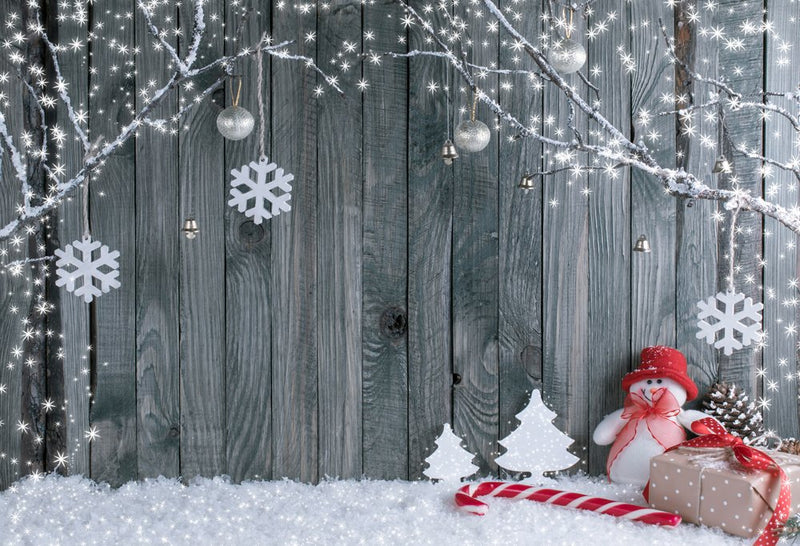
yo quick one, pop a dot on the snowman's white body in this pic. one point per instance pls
(632, 463)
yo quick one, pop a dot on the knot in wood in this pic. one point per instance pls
(394, 323)
(250, 234)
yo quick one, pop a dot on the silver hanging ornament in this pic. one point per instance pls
(567, 56)
(449, 152)
(642, 244)
(527, 182)
(234, 122)
(472, 135)
(190, 228)
(721, 165)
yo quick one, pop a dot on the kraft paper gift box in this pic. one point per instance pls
(708, 486)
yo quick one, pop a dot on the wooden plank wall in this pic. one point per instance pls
(399, 293)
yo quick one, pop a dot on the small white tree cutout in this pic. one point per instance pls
(537, 445)
(450, 461)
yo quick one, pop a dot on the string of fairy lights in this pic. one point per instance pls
(453, 35)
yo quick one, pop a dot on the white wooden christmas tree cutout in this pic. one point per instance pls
(450, 461)
(78, 271)
(537, 445)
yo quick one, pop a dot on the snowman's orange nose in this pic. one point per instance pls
(653, 391)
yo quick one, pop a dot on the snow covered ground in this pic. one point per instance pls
(74, 510)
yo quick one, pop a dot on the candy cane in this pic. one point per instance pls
(467, 501)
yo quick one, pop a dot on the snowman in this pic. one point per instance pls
(651, 420)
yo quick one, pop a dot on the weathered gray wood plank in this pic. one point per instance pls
(696, 236)
(339, 253)
(113, 454)
(202, 347)
(742, 128)
(430, 222)
(248, 320)
(475, 268)
(609, 240)
(565, 240)
(780, 251)
(653, 213)
(157, 278)
(294, 262)
(385, 253)
(520, 249)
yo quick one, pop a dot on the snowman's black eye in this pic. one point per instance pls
(658, 381)
(649, 381)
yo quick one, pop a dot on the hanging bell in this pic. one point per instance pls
(449, 152)
(642, 244)
(190, 229)
(526, 182)
(721, 165)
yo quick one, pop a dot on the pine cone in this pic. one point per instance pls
(790, 445)
(729, 405)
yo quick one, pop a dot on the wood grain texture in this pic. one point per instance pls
(653, 213)
(780, 251)
(157, 279)
(696, 236)
(203, 195)
(11, 289)
(248, 300)
(565, 288)
(609, 243)
(113, 221)
(339, 254)
(430, 222)
(744, 128)
(520, 249)
(385, 253)
(72, 420)
(294, 262)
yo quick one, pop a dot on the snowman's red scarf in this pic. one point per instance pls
(664, 430)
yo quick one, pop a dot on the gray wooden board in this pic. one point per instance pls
(520, 249)
(294, 261)
(385, 252)
(202, 286)
(609, 239)
(565, 268)
(112, 221)
(475, 266)
(74, 313)
(339, 224)
(11, 288)
(247, 277)
(696, 236)
(744, 128)
(158, 239)
(430, 222)
(653, 212)
(780, 252)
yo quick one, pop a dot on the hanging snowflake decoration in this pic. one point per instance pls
(276, 192)
(729, 321)
(83, 269)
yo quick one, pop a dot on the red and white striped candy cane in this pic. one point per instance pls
(467, 501)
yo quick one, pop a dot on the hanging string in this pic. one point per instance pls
(474, 104)
(568, 27)
(732, 243)
(238, 94)
(262, 124)
(447, 97)
(86, 232)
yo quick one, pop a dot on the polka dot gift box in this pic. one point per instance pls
(710, 486)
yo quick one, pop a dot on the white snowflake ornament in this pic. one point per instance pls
(746, 321)
(275, 192)
(82, 268)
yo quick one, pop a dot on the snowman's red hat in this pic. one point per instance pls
(661, 361)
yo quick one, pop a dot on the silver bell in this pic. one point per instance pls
(642, 244)
(721, 165)
(526, 182)
(190, 229)
(449, 152)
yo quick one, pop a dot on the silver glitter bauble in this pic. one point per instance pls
(472, 136)
(567, 56)
(235, 123)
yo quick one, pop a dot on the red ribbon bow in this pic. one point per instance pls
(713, 434)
